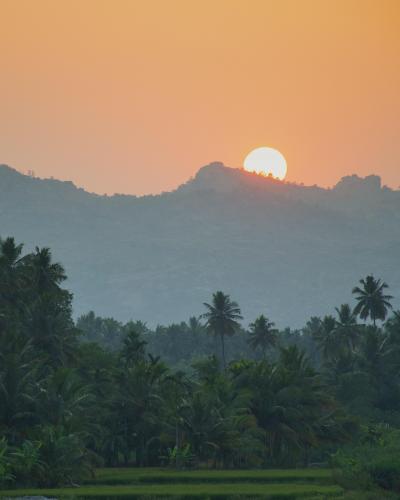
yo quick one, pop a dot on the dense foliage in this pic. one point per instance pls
(207, 392)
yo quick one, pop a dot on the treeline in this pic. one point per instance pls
(73, 397)
(181, 344)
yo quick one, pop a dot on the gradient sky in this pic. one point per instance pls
(134, 96)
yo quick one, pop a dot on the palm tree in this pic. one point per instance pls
(262, 334)
(12, 279)
(63, 400)
(222, 318)
(347, 327)
(10, 253)
(47, 274)
(133, 347)
(195, 326)
(375, 358)
(372, 302)
(290, 404)
(326, 338)
(18, 370)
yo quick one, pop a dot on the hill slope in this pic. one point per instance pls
(286, 250)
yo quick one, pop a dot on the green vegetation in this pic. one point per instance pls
(371, 462)
(152, 482)
(275, 491)
(78, 396)
(152, 475)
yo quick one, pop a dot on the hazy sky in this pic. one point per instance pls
(134, 96)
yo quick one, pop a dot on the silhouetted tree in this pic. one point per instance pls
(372, 302)
(222, 318)
(262, 334)
(347, 328)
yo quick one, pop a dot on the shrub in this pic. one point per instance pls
(373, 462)
(65, 459)
(181, 458)
(26, 463)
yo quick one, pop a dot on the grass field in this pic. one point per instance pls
(202, 484)
(152, 475)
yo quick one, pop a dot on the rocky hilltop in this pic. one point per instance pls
(287, 250)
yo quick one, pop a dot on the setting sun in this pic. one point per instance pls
(266, 161)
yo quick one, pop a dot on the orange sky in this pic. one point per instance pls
(134, 96)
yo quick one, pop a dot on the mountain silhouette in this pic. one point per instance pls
(282, 249)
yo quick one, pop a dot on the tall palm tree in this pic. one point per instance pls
(262, 334)
(222, 318)
(372, 301)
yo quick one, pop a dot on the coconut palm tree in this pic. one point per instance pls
(10, 253)
(326, 338)
(222, 318)
(133, 347)
(372, 301)
(262, 334)
(47, 275)
(347, 327)
(18, 372)
(195, 327)
(375, 357)
(12, 278)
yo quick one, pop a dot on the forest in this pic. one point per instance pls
(208, 393)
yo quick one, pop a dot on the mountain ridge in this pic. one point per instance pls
(214, 171)
(159, 257)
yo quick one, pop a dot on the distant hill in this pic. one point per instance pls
(285, 250)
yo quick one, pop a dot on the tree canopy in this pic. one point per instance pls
(78, 394)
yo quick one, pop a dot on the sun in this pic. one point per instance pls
(266, 161)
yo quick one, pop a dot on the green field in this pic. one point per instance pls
(159, 483)
(156, 476)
